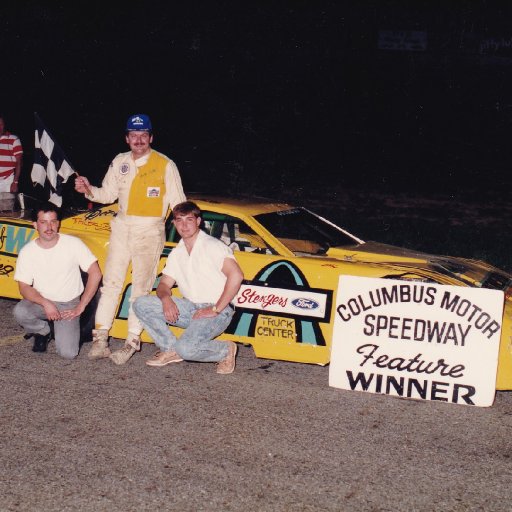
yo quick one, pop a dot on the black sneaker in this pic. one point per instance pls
(41, 342)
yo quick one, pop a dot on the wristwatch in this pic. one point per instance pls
(214, 309)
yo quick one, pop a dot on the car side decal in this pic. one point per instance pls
(13, 237)
(289, 308)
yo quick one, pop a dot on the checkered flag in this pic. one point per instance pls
(51, 168)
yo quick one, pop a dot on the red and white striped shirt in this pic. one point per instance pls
(10, 148)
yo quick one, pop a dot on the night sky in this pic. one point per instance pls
(270, 95)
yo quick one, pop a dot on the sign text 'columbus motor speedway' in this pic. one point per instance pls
(416, 340)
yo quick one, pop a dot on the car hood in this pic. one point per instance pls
(470, 272)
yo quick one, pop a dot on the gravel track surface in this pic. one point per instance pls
(273, 436)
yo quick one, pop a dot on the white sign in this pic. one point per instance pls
(416, 340)
(282, 300)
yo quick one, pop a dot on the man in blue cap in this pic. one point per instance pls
(146, 184)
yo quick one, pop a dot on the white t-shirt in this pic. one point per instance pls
(199, 275)
(55, 272)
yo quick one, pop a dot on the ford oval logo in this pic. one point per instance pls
(305, 303)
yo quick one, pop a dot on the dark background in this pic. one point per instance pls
(270, 96)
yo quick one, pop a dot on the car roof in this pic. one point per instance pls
(249, 206)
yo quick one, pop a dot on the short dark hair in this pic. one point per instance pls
(45, 208)
(186, 208)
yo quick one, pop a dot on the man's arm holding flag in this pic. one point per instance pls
(83, 186)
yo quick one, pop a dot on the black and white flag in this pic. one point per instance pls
(51, 168)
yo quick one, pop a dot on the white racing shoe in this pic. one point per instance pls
(99, 348)
(131, 345)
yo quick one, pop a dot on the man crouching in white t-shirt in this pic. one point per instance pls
(50, 282)
(209, 278)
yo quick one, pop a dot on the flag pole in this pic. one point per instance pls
(87, 189)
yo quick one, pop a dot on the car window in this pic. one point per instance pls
(303, 232)
(234, 232)
(171, 235)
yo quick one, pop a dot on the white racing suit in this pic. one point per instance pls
(145, 189)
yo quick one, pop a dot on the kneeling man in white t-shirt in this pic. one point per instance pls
(50, 282)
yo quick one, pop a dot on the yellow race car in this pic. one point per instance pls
(292, 259)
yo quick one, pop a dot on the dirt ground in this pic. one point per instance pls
(273, 436)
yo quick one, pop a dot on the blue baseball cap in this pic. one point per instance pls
(138, 123)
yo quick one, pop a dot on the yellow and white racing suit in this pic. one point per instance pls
(145, 188)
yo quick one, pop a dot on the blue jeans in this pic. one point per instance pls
(196, 343)
(32, 318)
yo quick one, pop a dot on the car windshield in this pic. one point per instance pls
(304, 232)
